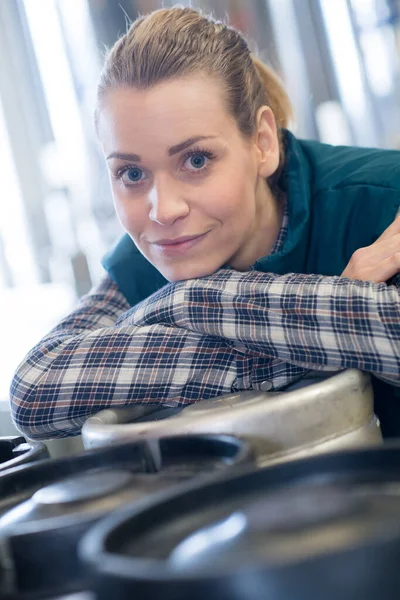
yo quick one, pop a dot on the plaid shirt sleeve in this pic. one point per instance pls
(90, 361)
(312, 321)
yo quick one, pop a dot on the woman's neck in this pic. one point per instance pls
(268, 222)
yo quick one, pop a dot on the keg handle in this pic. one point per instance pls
(151, 455)
(118, 416)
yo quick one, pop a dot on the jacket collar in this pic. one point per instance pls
(295, 180)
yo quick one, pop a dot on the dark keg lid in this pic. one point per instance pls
(16, 451)
(52, 503)
(75, 596)
(325, 527)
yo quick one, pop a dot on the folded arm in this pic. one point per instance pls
(308, 320)
(90, 362)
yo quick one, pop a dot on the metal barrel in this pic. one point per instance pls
(334, 413)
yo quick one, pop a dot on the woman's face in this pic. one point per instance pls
(188, 187)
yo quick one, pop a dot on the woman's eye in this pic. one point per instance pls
(132, 175)
(196, 162)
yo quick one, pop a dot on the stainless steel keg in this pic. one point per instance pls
(334, 413)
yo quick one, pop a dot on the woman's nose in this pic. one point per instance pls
(167, 203)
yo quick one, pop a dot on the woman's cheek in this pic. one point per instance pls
(126, 211)
(120, 209)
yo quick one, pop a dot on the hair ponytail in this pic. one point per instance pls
(278, 100)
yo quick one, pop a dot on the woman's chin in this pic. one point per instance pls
(181, 273)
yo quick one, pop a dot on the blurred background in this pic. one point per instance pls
(340, 61)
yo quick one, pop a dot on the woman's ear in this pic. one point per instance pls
(267, 142)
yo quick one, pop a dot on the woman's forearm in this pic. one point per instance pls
(87, 363)
(309, 320)
(65, 381)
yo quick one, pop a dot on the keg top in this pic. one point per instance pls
(51, 504)
(285, 524)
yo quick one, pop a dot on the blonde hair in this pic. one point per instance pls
(177, 41)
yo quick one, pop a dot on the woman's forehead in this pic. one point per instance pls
(166, 113)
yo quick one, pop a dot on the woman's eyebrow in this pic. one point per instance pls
(124, 156)
(171, 151)
(183, 145)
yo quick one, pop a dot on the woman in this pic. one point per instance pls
(278, 250)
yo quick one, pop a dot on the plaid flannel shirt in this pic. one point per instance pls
(201, 338)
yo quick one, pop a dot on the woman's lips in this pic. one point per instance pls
(171, 248)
